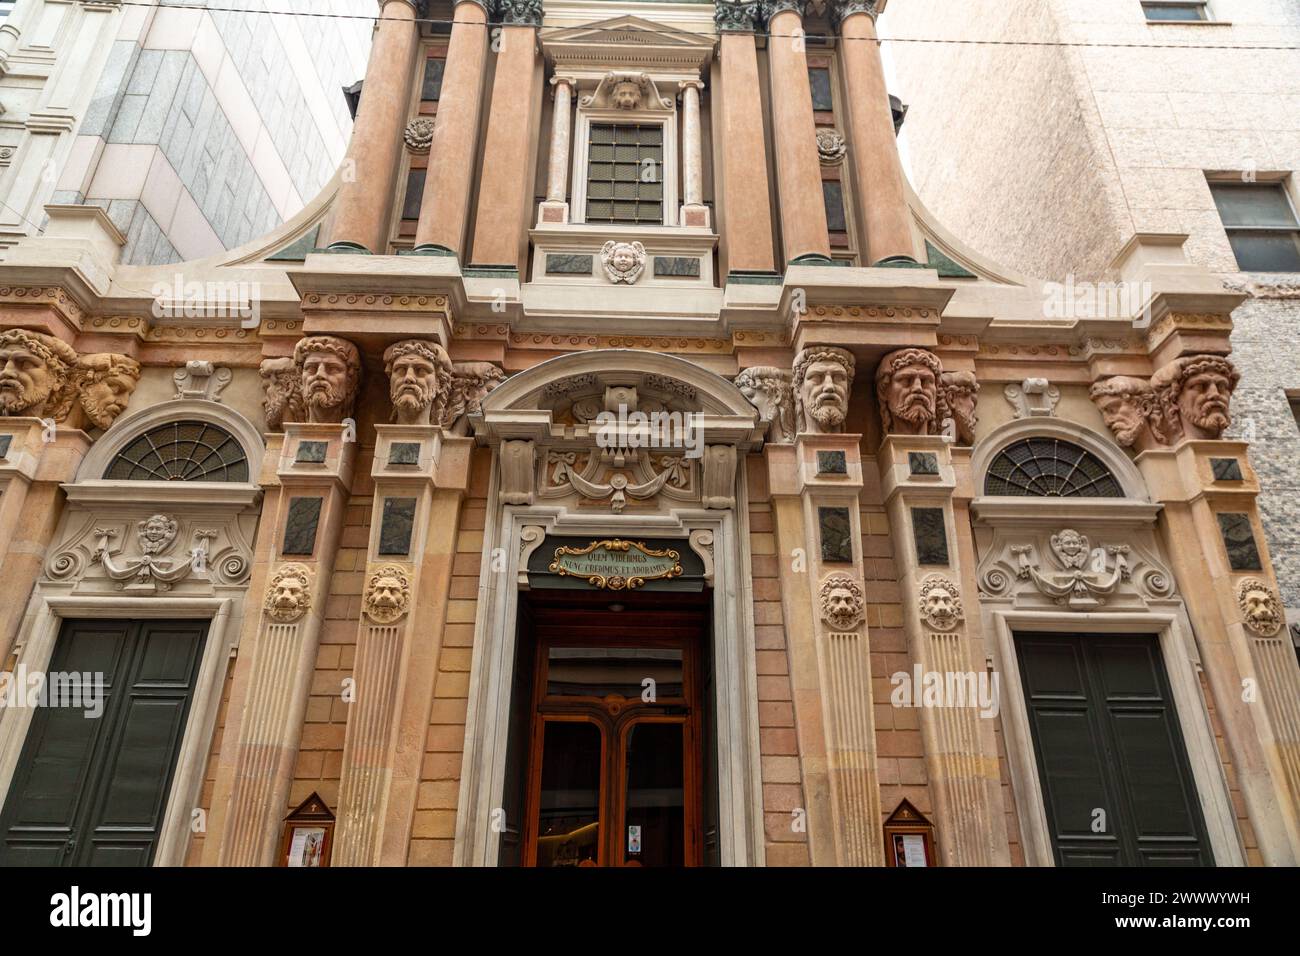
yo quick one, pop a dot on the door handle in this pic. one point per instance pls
(69, 846)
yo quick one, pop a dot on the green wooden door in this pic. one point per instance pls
(1116, 782)
(91, 791)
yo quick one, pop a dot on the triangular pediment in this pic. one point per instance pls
(628, 42)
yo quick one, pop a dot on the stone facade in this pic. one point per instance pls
(418, 467)
(1112, 142)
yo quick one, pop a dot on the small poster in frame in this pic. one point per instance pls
(909, 838)
(308, 835)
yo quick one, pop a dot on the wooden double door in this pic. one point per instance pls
(92, 783)
(615, 761)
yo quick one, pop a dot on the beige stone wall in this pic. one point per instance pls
(194, 853)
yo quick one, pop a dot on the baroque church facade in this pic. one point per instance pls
(617, 465)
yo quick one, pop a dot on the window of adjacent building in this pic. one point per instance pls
(1261, 225)
(625, 172)
(1295, 408)
(1166, 12)
(819, 78)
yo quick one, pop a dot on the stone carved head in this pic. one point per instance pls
(106, 382)
(288, 595)
(156, 533)
(842, 602)
(34, 368)
(330, 369)
(388, 593)
(907, 386)
(768, 389)
(958, 393)
(471, 382)
(940, 603)
(1130, 409)
(281, 392)
(822, 379)
(1195, 392)
(1260, 607)
(623, 261)
(419, 380)
(1071, 549)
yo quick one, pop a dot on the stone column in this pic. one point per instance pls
(364, 202)
(444, 206)
(34, 462)
(1241, 635)
(694, 212)
(421, 475)
(815, 485)
(555, 208)
(506, 184)
(880, 197)
(309, 472)
(804, 237)
(744, 209)
(961, 757)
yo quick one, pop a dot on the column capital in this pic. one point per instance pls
(841, 10)
(522, 13)
(733, 17)
(685, 85)
(768, 9)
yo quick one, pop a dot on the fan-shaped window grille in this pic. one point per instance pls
(181, 451)
(1050, 468)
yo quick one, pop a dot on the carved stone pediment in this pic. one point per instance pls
(627, 43)
(1100, 569)
(146, 548)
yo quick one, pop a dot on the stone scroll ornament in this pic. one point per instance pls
(1260, 608)
(388, 593)
(44, 377)
(419, 381)
(1079, 585)
(940, 603)
(822, 380)
(1188, 398)
(330, 372)
(288, 594)
(768, 389)
(842, 602)
(155, 536)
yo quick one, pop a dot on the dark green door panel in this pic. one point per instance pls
(1107, 738)
(92, 791)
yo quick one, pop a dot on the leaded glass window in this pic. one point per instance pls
(181, 451)
(625, 173)
(1050, 468)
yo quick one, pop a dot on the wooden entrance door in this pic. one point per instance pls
(1116, 782)
(614, 765)
(91, 790)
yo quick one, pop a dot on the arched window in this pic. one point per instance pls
(1049, 468)
(181, 451)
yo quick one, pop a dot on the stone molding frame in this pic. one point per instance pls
(1144, 599)
(73, 585)
(519, 416)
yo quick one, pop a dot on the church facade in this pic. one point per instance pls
(617, 465)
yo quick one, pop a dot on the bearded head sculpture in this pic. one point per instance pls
(842, 602)
(1130, 410)
(471, 382)
(907, 386)
(1195, 392)
(958, 393)
(1260, 608)
(34, 368)
(106, 381)
(281, 392)
(822, 380)
(330, 371)
(940, 603)
(419, 379)
(388, 593)
(288, 595)
(768, 389)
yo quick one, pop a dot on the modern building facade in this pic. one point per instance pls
(195, 130)
(623, 467)
(1131, 118)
